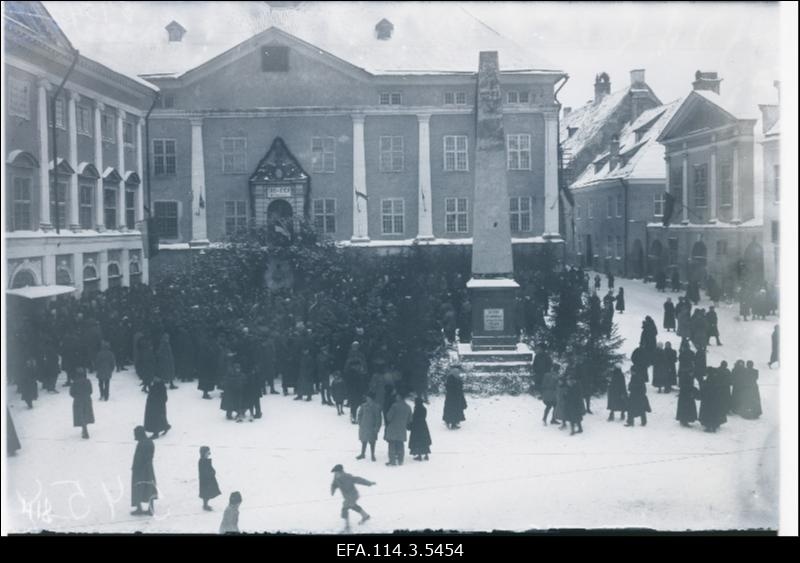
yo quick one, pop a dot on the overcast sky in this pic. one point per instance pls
(669, 40)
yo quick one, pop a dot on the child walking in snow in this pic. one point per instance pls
(208, 481)
(347, 484)
(230, 519)
(338, 392)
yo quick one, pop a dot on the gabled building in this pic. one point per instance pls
(74, 183)
(771, 150)
(359, 117)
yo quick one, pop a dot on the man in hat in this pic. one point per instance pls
(347, 484)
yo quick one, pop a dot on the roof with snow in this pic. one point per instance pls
(641, 156)
(427, 37)
(774, 130)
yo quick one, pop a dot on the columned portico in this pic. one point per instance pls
(199, 221)
(121, 223)
(99, 218)
(74, 220)
(551, 176)
(424, 203)
(44, 157)
(360, 225)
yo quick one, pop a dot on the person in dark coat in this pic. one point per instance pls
(737, 378)
(687, 393)
(560, 410)
(266, 362)
(620, 306)
(699, 329)
(713, 410)
(397, 422)
(684, 318)
(610, 278)
(774, 356)
(346, 483)
(29, 387)
(597, 282)
(585, 384)
(338, 391)
(50, 367)
(211, 362)
(207, 477)
(12, 440)
(660, 375)
(647, 340)
(389, 395)
(670, 358)
(725, 379)
(574, 406)
(420, 364)
(419, 440)
(675, 282)
(166, 362)
(700, 370)
(542, 363)
(155, 409)
(745, 302)
(81, 393)
(143, 477)
(305, 376)
(749, 405)
(454, 401)
(713, 290)
(549, 388)
(355, 377)
(147, 363)
(232, 391)
(669, 315)
(693, 292)
(638, 405)
(712, 324)
(104, 363)
(661, 281)
(617, 394)
(369, 423)
(323, 371)
(251, 395)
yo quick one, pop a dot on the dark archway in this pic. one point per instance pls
(637, 259)
(698, 262)
(23, 278)
(280, 219)
(754, 264)
(655, 258)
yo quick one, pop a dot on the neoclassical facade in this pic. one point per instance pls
(74, 208)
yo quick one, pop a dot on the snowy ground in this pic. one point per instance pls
(502, 470)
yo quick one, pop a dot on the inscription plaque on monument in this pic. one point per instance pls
(493, 319)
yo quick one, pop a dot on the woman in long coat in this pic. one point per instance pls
(147, 363)
(620, 306)
(210, 363)
(232, 393)
(660, 375)
(155, 409)
(50, 367)
(638, 405)
(81, 393)
(749, 398)
(369, 423)
(670, 357)
(419, 441)
(355, 374)
(684, 318)
(454, 400)
(737, 385)
(726, 386)
(713, 413)
(774, 356)
(688, 393)
(617, 395)
(143, 477)
(560, 410)
(207, 476)
(647, 340)
(669, 315)
(575, 407)
(305, 376)
(29, 387)
(549, 391)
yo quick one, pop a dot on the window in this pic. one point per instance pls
(455, 214)
(235, 216)
(323, 154)
(578, 211)
(114, 275)
(609, 246)
(455, 153)
(60, 123)
(620, 249)
(63, 276)
(392, 216)
(609, 207)
(391, 158)
(61, 207)
(520, 208)
(107, 127)
(86, 204)
(166, 215)
(324, 211)
(234, 155)
(390, 99)
(518, 148)
(84, 120)
(726, 184)
(700, 185)
(722, 247)
(275, 58)
(518, 97)
(110, 208)
(658, 204)
(455, 98)
(676, 183)
(130, 208)
(590, 210)
(672, 245)
(579, 245)
(167, 101)
(164, 157)
(620, 206)
(127, 133)
(19, 97)
(22, 204)
(775, 229)
(776, 187)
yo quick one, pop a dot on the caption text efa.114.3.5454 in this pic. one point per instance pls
(399, 550)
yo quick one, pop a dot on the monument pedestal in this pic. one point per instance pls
(494, 303)
(496, 372)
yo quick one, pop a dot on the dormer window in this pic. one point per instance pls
(384, 29)
(176, 31)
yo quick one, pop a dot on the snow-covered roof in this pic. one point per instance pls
(774, 130)
(427, 37)
(728, 103)
(639, 159)
(39, 291)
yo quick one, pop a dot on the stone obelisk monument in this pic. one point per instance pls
(492, 287)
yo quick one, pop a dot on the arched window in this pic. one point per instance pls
(23, 278)
(63, 276)
(91, 279)
(114, 275)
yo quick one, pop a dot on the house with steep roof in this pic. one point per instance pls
(373, 103)
(75, 177)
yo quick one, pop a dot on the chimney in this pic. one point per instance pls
(602, 87)
(384, 29)
(637, 77)
(175, 31)
(708, 81)
(613, 152)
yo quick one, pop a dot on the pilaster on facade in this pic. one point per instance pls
(685, 188)
(99, 217)
(425, 198)
(199, 220)
(74, 219)
(125, 266)
(49, 269)
(140, 170)
(77, 271)
(551, 200)
(360, 225)
(737, 217)
(102, 267)
(44, 156)
(712, 183)
(121, 223)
